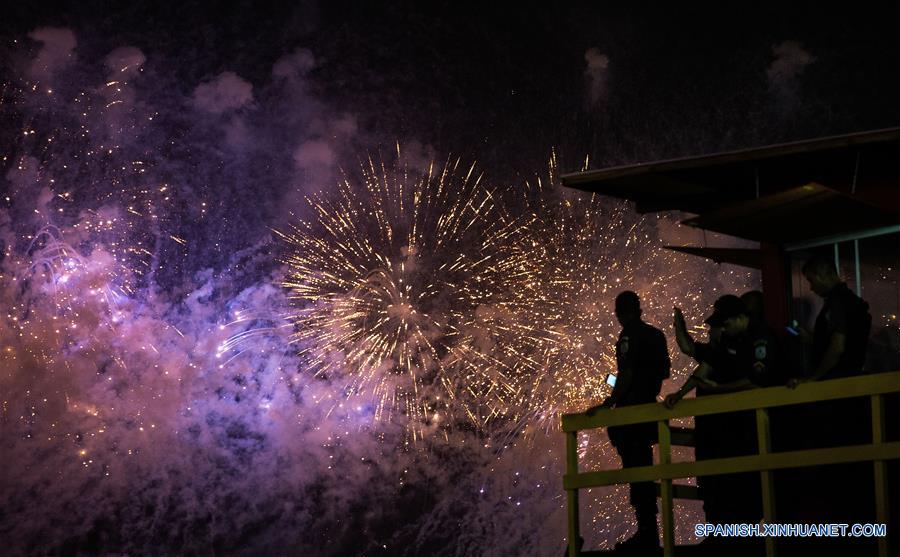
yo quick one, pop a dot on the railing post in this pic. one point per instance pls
(881, 478)
(665, 490)
(766, 476)
(572, 494)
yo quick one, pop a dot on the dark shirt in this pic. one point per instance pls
(846, 313)
(758, 357)
(754, 355)
(642, 349)
(720, 356)
(716, 355)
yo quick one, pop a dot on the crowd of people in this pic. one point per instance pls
(742, 352)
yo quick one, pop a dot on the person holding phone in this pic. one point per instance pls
(841, 334)
(839, 342)
(642, 361)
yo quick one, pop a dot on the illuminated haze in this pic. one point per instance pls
(153, 397)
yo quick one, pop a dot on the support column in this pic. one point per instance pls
(768, 485)
(882, 505)
(665, 490)
(572, 494)
(776, 276)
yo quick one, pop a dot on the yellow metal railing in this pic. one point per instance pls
(760, 400)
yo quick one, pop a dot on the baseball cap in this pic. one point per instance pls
(726, 307)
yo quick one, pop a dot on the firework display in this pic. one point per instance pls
(390, 280)
(540, 326)
(407, 342)
(396, 277)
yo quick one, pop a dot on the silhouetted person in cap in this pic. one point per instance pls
(746, 357)
(642, 359)
(706, 430)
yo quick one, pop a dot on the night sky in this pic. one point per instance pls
(299, 278)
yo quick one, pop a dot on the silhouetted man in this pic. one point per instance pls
(839, 343)
(841, 335)
(706, 428)
(747, 356)
(642, 358)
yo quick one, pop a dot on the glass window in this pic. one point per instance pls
(879, 265)
(874, 274)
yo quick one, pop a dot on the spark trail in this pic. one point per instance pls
(391, 278)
